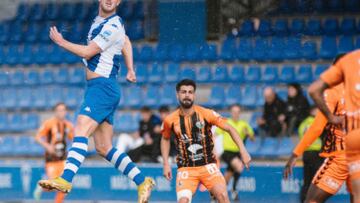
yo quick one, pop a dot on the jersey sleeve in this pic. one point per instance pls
(215, 118)
(108, 35)
(334, 75)
(249, 129)
(166, 128)
(43, 130)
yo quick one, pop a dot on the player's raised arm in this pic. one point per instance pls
(83, 51)
(129, 62)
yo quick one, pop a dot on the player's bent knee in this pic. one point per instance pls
(102, 150)
(184, 196)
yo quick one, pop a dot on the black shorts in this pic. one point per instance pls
(228, 157)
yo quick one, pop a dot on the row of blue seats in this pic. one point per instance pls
(35, 32)
(18, 122)
(282, 27)
(24, 145)
(172, 73)
(270, 147)
(317, 6)
(74, 11)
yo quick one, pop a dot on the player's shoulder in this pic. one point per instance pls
(49, 122)
(172, 116)
(115, 23)
(205, 111)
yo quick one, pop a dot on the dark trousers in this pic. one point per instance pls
(149, 151)
(312, 162)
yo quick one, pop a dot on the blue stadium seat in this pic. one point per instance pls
(293, 48)
(46, 77)
(126, 9)
(280, 28)
(32, 77)
(156, 73)
(250, 96)
(304, 74)
(352, 5)
(32, 32)
(31, 121)
(172, 72)
(133, 97)
(138, 10)
(217, 97)
(41, 53)
(177, 52)
(303, 6)
(57, 55)
(228, 49)
(244, 51)
(23, 12)
(3, 122)
(346, 44)
(122, 74)
(152, 96)
(26, 54)
(269, 147)
(277, 47)
(37, 12)
(313, 27)
(40, 98)
(233, 95)
(17, 31)
(73, 96)
(141, 73)
(209, 52)
(54, 95)
(284, 6)
(68, 11)
(35, 148)
(44, 32)
(187, 73)
(260, 98)
(12, 56)
(287, 74)
(24, 142)
(10, 100)
(270, 74)
(16, 122)
(146, 53)
(330, 27)
(309, 50)
(220, 74)
(168, 96)
(264, 28)
(297, 26)
(253, 74)
(253, 147)
(253, 120)
(282, 93)
(17, 78)
(192, 52)
(76, 76)
(334, 5)
(124, 122)
(348, 26)
(247, 28)
(328, 49)
(136, 52)
(162, 54)
(204, 74)
(4, 79)
(260, 51)
(52, 11)
(357, 42)
(61, 75)
(237, 74)
(4, 32)
(285, 147)
(318, 70)
(318, 5)
(7, 145)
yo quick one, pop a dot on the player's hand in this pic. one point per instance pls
(56, 36)
(50, 149)
(246, 158)
(131, 77)
(288, 170)
(167, 172)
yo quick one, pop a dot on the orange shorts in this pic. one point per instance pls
(332, 174)
(188, 178)
(54, 169)
(353, 153)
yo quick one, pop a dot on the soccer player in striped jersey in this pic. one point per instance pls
(191, 124)
(107, 41)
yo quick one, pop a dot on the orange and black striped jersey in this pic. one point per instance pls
(193, 136)
(55, 132)
(332, 136)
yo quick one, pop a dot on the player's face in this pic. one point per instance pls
(235, 112)
(60, 112)
(163, 115)
(108, 6)
(186, 96)
(292, 91)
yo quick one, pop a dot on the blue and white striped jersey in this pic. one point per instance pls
(109, 34)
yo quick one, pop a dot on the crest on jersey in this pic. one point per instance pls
(200, 124)
(107, 33)
(194, 148)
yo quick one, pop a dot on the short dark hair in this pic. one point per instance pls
(164, 108)
(145, 109)
(185, 82)
(59, 104)
(234, 105)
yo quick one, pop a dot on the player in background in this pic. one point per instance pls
(107, 41)
(191, 124)
(53, 135)
(231, 154)
(346, 70)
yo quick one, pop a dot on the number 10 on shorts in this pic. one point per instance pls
(183, 175)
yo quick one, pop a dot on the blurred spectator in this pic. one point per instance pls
(272, 123)
(150, 131)
(297, 107)
(128, 142)
(312, 160)
(231, 154)
(165, 111)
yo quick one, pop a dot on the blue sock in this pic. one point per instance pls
(123, 163)
(75, 157)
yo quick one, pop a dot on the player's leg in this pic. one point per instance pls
(214, 181)
(316, 195)
(353, 161)
(187, 180)
(238, 167)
